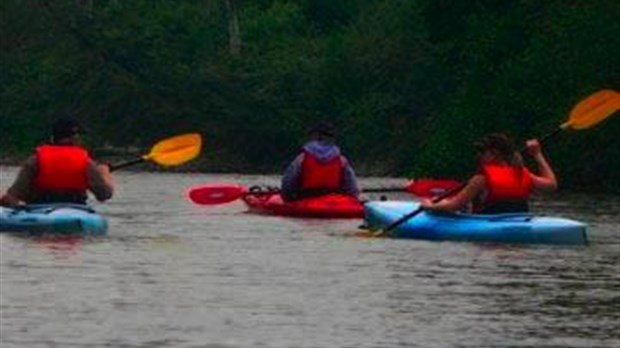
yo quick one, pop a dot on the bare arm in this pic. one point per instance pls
(290, 179)
(100, 181)
(20, 190)
(475, 185)
(8, 200)
(545, 180)
(350, 185)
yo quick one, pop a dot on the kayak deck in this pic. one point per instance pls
(52, 219)
(498, 228)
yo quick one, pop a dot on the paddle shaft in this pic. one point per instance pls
(393, 225)
(384, 189)
(546, 137)
(114, 167)
(368, 190)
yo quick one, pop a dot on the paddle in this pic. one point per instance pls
(587, 113)
(221, 193)
(169, 152)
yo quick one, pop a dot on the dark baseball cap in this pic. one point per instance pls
(324, 128)
(66, 128)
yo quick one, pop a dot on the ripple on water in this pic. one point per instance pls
(172, 274)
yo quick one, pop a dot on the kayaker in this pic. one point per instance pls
(503, 184)
(319, 169)
(60, 172)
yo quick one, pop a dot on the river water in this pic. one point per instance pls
(173, 274)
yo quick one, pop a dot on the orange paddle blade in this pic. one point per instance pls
(176, 150)
(594, 109)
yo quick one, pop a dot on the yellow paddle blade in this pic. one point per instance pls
(593, 109)
(364, 233)
(176, 150)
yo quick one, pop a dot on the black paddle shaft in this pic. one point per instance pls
(446, 194)
(114, 167)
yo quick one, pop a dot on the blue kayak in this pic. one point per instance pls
(499, 228)
(52, 219)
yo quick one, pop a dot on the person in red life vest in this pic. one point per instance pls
(319, 169)
(60, 172)
(504, 184)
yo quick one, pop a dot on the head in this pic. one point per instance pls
(498, 147)
(66, 131)
(323, 131)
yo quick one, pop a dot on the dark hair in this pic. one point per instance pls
(502, 145)
(66, 128)
(325, 129)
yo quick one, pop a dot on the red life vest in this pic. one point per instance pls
(321, 175)
(61, 168)
(506, 186)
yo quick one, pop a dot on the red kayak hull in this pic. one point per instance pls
(331, 206)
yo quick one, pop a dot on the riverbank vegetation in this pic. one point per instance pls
(409, 84)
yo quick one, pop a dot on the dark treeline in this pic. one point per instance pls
(411, 84)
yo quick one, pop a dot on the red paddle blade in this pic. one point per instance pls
(428, 188)
(211, 194)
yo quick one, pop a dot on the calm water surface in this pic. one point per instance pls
(173, 274)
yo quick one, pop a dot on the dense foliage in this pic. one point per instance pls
(410, 83)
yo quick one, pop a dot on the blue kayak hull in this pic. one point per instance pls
(499, 228)
(53, 219)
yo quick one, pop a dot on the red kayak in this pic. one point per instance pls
(328, 206)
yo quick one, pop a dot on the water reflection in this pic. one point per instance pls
(506, 296)
(172, 274)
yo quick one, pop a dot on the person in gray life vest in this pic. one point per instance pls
(319, 169)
